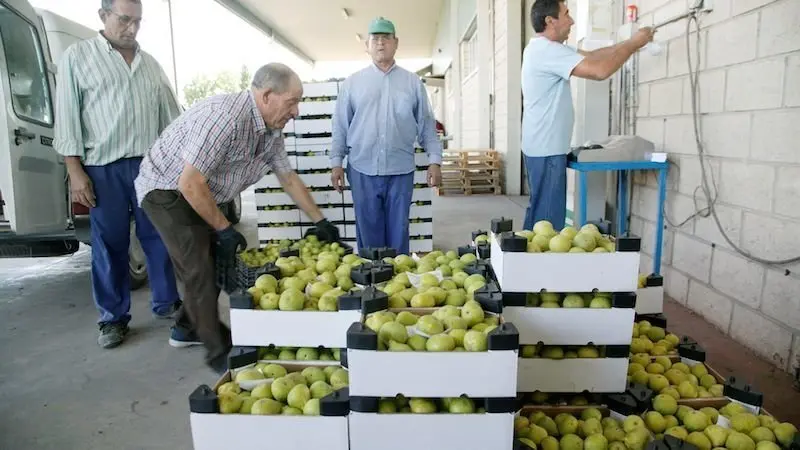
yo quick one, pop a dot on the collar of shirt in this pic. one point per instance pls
(103, 40)
(380, 71)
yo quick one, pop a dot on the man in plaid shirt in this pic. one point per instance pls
(206, 157)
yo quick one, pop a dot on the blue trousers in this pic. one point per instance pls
(382, 204)
(547, 183)
(110, 221)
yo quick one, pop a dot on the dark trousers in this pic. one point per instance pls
(190, 242)
(382, 204)
(111, 221)
(547, 182)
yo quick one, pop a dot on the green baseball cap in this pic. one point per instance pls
(381, 26)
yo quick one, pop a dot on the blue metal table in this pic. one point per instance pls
(622, 168)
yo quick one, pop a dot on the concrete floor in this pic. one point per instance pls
(59, 390)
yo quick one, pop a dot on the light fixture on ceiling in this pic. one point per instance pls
(359, 38)
(345, 13)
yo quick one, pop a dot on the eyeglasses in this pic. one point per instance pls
(381, 37)
(126, 21)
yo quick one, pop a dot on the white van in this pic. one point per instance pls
(37, 217)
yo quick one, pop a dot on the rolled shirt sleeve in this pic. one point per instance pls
(343, 114)
(68, 133)
(426, 124)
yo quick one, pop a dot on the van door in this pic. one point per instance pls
(32, 174)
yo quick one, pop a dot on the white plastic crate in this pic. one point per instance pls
(333, 213)
(650, 300)
(420, 159)
(420, 229)
(421, 245)
(572, 326)
(573, 375)
(421, 212)
(316, 179)
(250, 327)
(221, 431)
(303, 142)
(312, 126)
(273, 198)
(320, 89)
(349, 213)
(554, 272)
(432, 374)
(431, 431)
(315, 162)
(270, 233)
(376, 373)
(214, 431)
(268, 181)
(278, 216)
(312, 108)
(422, 195)
(289, 127)
(420, 176)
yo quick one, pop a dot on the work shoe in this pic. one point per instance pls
(180, 338)
(112, 334)
(168, 312)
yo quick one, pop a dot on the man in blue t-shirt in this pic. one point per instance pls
(548, 116)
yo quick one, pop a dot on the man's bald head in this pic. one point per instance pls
(278, 91)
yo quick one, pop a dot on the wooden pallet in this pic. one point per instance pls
(470, 172)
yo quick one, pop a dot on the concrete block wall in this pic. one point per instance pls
(750, 106)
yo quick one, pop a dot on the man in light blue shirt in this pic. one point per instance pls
(381, 112)
(548, 115)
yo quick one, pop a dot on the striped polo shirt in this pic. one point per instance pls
(225, 138)
(106, 110)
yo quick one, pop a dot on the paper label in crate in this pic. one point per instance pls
(690, 362)
(749, 408)
(413, 330)
(416, 279)
(248, 385)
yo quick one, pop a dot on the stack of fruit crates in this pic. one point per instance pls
(574, 308)
(281, 335)
(444, 399)
(308, 141)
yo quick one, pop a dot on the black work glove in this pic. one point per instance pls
(327, 231)
(229, 242)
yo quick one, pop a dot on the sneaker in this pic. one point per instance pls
(168, 312)
(112, 334)
(179, 338)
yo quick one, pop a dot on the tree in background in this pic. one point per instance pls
(225, 82)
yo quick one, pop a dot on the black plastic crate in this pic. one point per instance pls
(246, 275)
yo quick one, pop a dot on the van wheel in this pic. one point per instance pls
(137, 264)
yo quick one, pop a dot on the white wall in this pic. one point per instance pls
(750, 101)
(443, 45)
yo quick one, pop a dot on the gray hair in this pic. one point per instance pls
(275, 77)
(107, 4)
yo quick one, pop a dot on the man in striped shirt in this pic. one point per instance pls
(112, 101)
(381, 111)
(210, 154)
